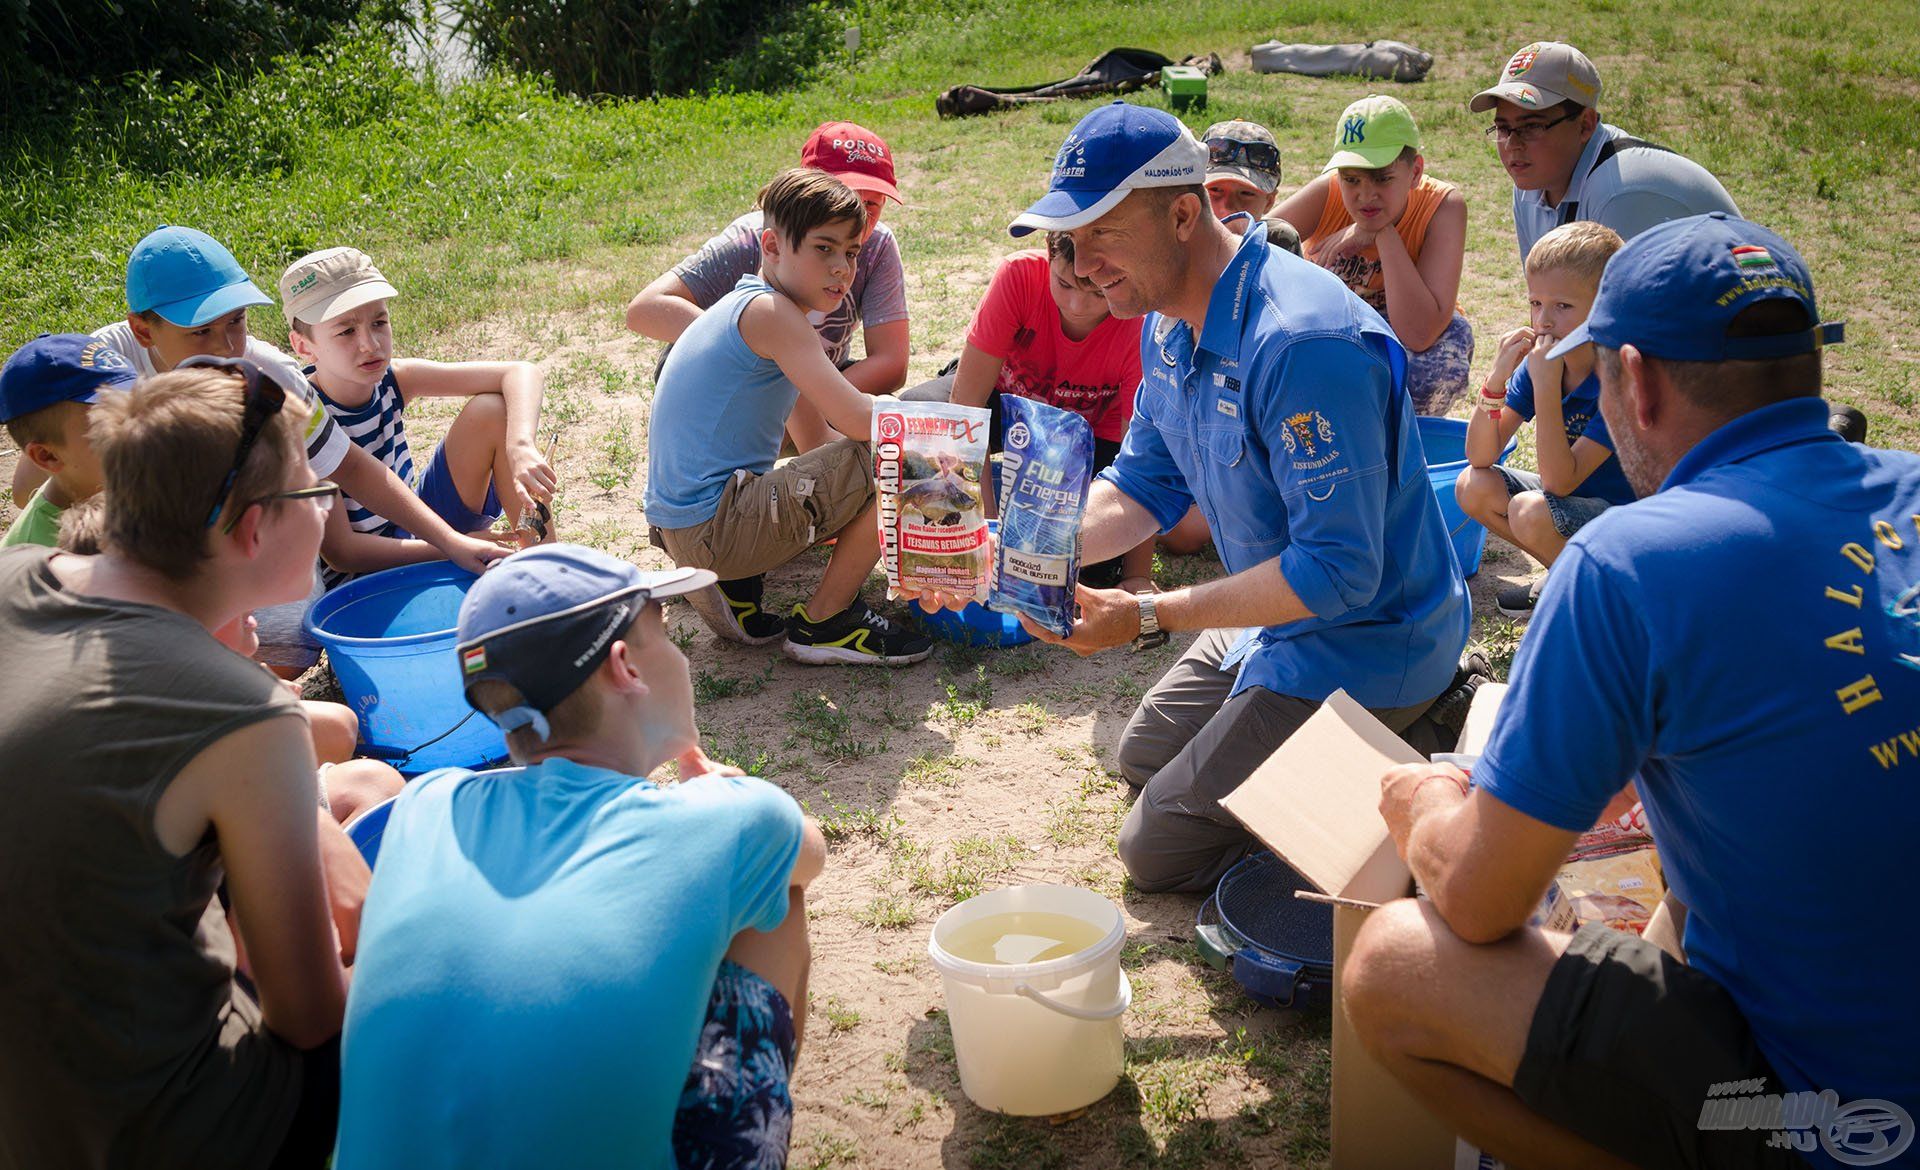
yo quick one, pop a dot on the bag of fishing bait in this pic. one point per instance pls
(1046, 467)
(929, 459)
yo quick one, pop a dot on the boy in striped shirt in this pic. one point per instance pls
(336, 307)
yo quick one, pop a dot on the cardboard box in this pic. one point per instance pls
(1315, 802)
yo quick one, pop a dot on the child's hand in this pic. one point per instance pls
(475, 553)
(1351, 242)
(695, 762)
(533, 477)
(1544, 371)
(1514, 347)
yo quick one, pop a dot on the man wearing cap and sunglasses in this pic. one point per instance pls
(1274, 399)
(146, 765)
(1744, 645)
(552, 947)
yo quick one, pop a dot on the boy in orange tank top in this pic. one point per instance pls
(1397, 237)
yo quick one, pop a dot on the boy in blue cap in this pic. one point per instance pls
(46, 389)
(552, 947)
(1743, 644)
(188, 297)
(1275, 401)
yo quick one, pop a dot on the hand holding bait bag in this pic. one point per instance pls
(1046, 466)
(928, 460)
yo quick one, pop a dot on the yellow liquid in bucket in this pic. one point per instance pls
(1022, 937)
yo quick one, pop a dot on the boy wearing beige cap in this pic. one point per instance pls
(1569, 166)
(1243, 180)
(1398, 237)
(336, 306)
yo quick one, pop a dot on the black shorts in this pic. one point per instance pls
(1626, 1048)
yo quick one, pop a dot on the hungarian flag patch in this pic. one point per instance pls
(1752, 256)
(474, 660)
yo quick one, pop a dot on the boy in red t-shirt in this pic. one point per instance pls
(1043, 333)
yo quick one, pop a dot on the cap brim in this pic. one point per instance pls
(1362, 160)
(677, 582)
(194, 312)
(871, 185)
(1572, 341)
(1264, 183)
(1062, 211)
(346, 301)
(1520, 93)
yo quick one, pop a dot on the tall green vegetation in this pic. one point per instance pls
(637, 48)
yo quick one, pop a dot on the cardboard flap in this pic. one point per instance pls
(1480, 716)
(1316, 802)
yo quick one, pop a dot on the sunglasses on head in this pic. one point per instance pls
(1230, 152)
(263, 398)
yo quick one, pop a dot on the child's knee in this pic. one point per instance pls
(1480, 491)
(335, 730)
(1530, 516)
(358, 785)
(486, 413)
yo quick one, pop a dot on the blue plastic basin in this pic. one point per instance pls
(1445, 441)
(389, 637)
(366, 830)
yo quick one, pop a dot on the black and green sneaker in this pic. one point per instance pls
(732, 610)
(855, 636)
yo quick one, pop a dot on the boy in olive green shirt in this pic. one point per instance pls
(47, 389)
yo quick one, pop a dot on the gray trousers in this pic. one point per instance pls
(1188, 745)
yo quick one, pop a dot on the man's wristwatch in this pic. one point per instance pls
(1151, 635)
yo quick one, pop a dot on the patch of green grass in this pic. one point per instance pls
(709, 687)
(965, 700)
(1017, 1143)
(622, 458)
(743, 753)
(1031, 717)
(943, 771)
(842, 822)
(828, 1149)
(816, 719)
(971, 863)
(887, 912)
(841, 1017)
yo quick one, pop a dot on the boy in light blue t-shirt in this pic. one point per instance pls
(547, 950)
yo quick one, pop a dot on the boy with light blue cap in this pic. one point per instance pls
(188, 297)
(1742, 645)
(1274, 400)
(557, 944)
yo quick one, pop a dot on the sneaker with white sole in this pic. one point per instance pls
(732, 610)
(856, 636)
(1517, 601)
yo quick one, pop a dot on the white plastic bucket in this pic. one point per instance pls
(1035, 1039)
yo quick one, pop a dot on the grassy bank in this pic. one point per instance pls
(499, 198)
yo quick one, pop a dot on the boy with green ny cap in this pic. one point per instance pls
(1398, 237)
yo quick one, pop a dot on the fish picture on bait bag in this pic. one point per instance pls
(1046, 466)
(928, 462)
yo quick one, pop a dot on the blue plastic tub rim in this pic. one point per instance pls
(414, 576)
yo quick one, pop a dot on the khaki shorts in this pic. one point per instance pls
(764, 521)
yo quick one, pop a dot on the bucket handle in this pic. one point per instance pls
(1096, 1015)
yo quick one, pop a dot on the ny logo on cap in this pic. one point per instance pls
(1523, 60)
(1353, 130)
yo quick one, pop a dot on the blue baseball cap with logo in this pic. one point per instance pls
(187, 277)
(1117, 149)
(60, 367)
(1674, 289)
(544, 619)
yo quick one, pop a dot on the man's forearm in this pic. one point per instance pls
(1259, 596)
(1114, 523)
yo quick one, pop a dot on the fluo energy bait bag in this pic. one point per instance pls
(1046, 466)
(928, 462)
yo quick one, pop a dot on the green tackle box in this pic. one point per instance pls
(1185, 86)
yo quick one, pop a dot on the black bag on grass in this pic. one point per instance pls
(1114, 71)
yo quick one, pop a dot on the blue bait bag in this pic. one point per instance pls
(1046, 466)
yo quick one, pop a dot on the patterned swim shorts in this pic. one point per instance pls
(735, 1110)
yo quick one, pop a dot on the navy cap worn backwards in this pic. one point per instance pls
(544, 619)
(1672, 291)
(60, 367)
(1114, 150)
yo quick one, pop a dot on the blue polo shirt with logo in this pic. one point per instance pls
(1289, 424)
(1746, 643)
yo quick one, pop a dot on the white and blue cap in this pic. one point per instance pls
(1673, 290)
(1114, 150)
(544, 619)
